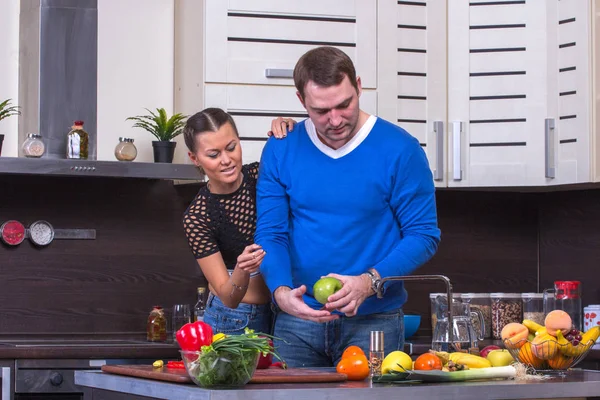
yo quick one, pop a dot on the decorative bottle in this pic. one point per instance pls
(156, 327)
(77, 142)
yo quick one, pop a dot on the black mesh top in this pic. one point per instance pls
(223, 222)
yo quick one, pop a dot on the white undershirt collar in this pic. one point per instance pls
(360, 136)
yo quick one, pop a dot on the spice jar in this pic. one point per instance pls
(33, 146)
(125, 150)
(482, 302)
(533, 307)
(506, 308)
(156, 327)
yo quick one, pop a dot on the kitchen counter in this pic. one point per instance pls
(578, 383)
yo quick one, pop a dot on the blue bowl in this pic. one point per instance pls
(411, 325)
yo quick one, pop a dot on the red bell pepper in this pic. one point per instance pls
(264, 362)
(194, 335)
(175, 364)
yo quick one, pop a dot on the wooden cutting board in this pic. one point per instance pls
(271, 375)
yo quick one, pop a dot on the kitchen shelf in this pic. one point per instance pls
(116, 169)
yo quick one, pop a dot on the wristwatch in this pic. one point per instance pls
(375, 279)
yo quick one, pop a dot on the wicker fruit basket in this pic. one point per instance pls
(548, 355)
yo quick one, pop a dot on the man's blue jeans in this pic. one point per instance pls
(313, 344)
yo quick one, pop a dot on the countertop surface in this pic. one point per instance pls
(128, 347)
(577, 383)
(85, 348)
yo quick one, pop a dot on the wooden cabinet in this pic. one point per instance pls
(507, 105)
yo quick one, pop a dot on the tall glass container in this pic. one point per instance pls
(77, 142)
(481, 302)
(533, 307)
(506, 308)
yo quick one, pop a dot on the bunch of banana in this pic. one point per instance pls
(470, 360)
(533, 326)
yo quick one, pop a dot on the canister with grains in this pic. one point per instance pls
(506, 308)
(533, 307)
(482, 302)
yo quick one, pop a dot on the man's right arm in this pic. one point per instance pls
(272, 224)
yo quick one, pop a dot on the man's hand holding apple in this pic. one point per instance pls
(354, 291)
(290, 301)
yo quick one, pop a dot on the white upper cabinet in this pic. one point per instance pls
(412, 69)
(496, 92)
(569, 92)
(260, 41)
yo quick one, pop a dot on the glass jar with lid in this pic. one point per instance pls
(482, 302)
(506, 308)
(533, 307)
(125, 150)
(33, 146)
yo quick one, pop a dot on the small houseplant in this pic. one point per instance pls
(164, 129)
(7, 110)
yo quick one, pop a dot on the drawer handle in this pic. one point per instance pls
(550, 148)
(279, 73)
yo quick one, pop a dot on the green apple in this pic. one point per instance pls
(500, 358)
(530, 337)
(325, 287)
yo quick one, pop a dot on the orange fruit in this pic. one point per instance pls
(352, 351)
(356, 367)
(427, 362)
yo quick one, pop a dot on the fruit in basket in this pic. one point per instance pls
(500, 358)
(325, 287)
(558, 320)
(544, 346)
(559, 361)
(485, 351)
(470, 360)
(532, 326)
(591, 334)
(526, 356)
(396, 361)
(514, 335)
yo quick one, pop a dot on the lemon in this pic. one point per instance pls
(394, 360)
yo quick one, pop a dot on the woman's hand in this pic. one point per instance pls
(281, 126)
(251, 258)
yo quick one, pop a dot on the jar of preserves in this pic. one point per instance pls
(482, 302)
(156, 327)
(506, 308)
(33, 146)
(125, 150)
(77, 142)
(533, 307)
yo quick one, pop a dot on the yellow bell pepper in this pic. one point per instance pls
(218, 337)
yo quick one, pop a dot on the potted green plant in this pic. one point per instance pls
(7, 110)
(164, 129)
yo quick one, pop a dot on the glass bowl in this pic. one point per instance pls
(548, 355)
(223, 369)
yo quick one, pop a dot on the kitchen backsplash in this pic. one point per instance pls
(491, 241)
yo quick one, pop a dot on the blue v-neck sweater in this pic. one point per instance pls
(371, 208)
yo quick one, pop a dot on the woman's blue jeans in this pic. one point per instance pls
(232, 321)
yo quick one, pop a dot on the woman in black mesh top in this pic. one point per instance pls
(220, 224)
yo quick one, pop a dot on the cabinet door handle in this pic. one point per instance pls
(279, 73)
(5, 376)
(457, 128)
(550, 132)
(438, 128)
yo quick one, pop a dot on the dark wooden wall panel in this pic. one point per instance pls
(140, 256)
(570, 240)
(489, 244)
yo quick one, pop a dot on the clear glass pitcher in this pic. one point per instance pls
(465, 336)
(565, 296)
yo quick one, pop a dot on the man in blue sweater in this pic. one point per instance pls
(347, 195)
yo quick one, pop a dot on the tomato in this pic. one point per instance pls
(352, 351)
(356, 367)
(427, 362)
